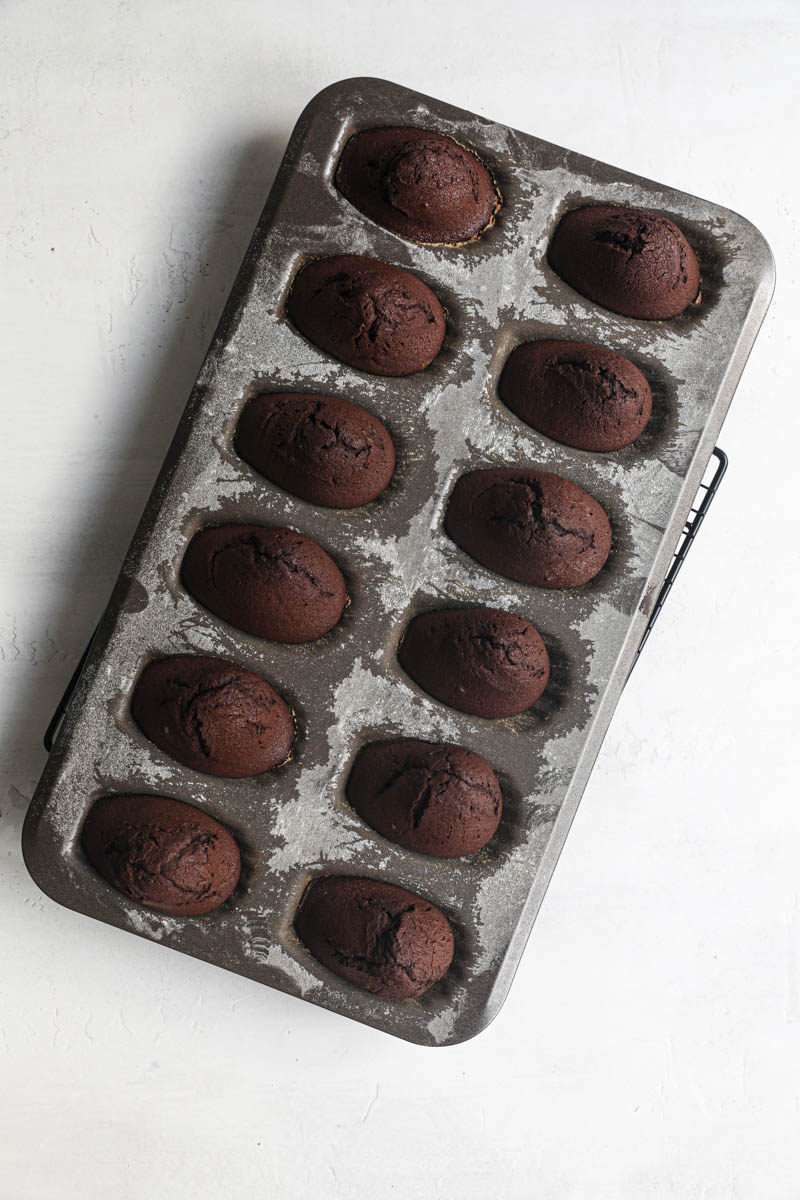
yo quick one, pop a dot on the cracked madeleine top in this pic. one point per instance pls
(212, 715)
(420, 184)
(585, 396)
(368, 314)
(433, 798)
(162, 853)
(483, 661)
(274, 583)
(531, 526)
(375, 935)
(631, 261)
(321, 448)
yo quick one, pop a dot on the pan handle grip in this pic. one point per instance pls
(702, 502)
(61, 707)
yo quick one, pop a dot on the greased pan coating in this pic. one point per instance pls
(347, 689)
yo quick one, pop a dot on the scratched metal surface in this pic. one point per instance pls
(348, 688)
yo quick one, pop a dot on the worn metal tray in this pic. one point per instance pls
(348, 688)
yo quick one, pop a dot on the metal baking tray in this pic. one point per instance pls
(347, 689)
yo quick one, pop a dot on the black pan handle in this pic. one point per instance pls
(702, 502)
(61, 708)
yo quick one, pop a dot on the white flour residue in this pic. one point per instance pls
(406, 558)
(647, 490)
(604, 630)
(497, 900)
(151, 925)
(277, 958)
(462, 419)
(127, 761)
(189, 634)
(271, 954)
(442, 1025)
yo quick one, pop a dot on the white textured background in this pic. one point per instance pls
(651, 1043)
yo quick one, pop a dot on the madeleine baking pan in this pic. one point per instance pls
(347, 689)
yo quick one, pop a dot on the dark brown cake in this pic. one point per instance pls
(321, 448)
(437, 799)
(584, 396)
(274, 583)
(631, 261)
(530, 526)
(212, 715)
(162, 853)
(378, 936)
(419, 184)
(483, 661)
(367, 313)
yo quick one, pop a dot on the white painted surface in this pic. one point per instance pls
(651, 1043)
